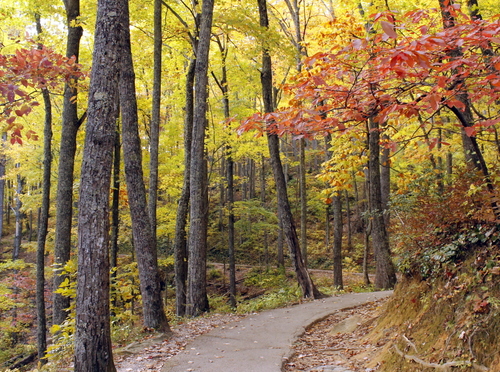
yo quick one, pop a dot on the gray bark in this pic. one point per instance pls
(197, 300)
(337, 241)
(180, 242)
(385, 275)
(155, 118)
(93, 350)
(43, 220)
(144, 243)
(67, 151)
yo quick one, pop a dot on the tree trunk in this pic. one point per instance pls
(42, 231)
(43, 220)
(180, 244)
(18, 235)
(348, 224)
(473, 153)
(197, 300)
(309, 290)
(144, 243)
(93, 350)
(154, 140)
(385, 181)
(64, 206)
(385, 275)
(2, 190)
(115, 206)
(337, 241)
(223, 85)
(303, 199)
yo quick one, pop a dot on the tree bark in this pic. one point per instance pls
(337, 241)
(197, 300)
(303, 200)
(180, 242)
(43, 220)
(223, 85)
(385, 275)
(115, 206)
(18, 235)
(155, 118)
(2, 190)
(93, 350)
(309, 290)
(144, 243)
(67, 151)
(42, 230)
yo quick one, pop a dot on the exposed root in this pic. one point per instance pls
(444, 366)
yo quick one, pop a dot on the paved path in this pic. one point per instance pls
(260, 342)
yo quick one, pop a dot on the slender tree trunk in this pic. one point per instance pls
(115, 205)
(2, 191)
(385, 275)
(43, 221)
(19, 217)
(144, 243)
(197, 300)
(70, 125)
(180, 242)
(337, 241)
(231, 245)
(93, 350)
(42, 230)
(155, 118)
(284, 211)
(385, 181)
(303, 199)
(349, 226)
(472, 151)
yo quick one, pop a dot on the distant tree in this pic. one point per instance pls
(284, 211)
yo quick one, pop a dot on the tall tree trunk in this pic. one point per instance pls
(18, 235)
(144, 243)
(303, 199)
(155, 118)
(43, 221)
(385, 181)
(2, 190)
(348, 224)
(180, 243)
(197, 300)
(337, 241)
(70, 125)
(93, 350)
(223, 85)
(473, 153)
(284, 211)
(42, 230)
(115, 205)
(385, 275)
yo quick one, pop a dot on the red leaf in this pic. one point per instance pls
(389, 29)
(470, 131)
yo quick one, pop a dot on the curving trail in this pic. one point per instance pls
(262, 341)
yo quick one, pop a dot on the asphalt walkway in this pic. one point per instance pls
(262, 341)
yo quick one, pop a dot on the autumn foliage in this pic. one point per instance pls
(403, 67)
(23, 75)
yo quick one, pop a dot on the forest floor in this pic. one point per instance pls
(336, 343)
